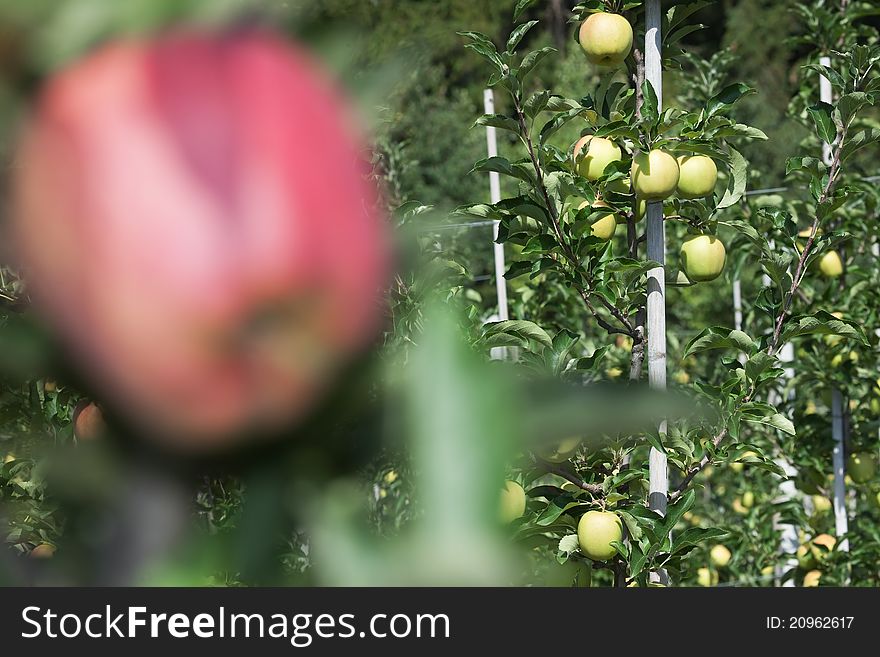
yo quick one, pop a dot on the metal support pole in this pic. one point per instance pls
(495, 196)
(656, 304)
(841, 524)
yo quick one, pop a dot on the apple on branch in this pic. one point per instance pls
(697, 176)
(593, 154)
(654, 175)
(606, 39)
(702, 258)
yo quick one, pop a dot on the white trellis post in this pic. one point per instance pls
(841, 524)
(656, 304)
(495, 196)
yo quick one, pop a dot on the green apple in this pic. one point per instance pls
(821, 504)
(831, 265)
(654, 175)
(861, 466)
(812, 578)
(606, 39)
(720, 556)
(604, 226)
(748, 499)
(738, 507)
(596, 531)
(593, 154)
(821, 546)
(513, 502)
(805, 558)
(640, 207)
(706, 577)
(702, 258)
(560, 452)
(698, 175)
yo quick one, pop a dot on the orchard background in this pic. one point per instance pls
(395, 478)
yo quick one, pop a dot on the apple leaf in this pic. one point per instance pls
(517, 35)
(727, 97)
(531, 60)
(521, 328)
(823, 119)
(568, 544)
(498, 121)
(736, 186)
(858, 140)
(505, 166)
(777, 421)
(521, 6)
(822, 323)
(678, 509)
(718, 337)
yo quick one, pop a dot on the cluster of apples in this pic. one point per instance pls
(606, 40)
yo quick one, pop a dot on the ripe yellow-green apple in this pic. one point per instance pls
(640, 207)
(821, 546)
(562, 451)
(839, 359)
(861, 466)
(9, 458)
(805, 557)
(812, 578)
(821, 504)
(697, 176)
(42, 551)
(606, 39)
(50, 386)
(593, 154)
(596, 531)
(720, 556)
(766, 571)
(654, 175)
(738, 507)
(604, 226)
(748, 499)
(831, 265)
(702, 258)
(513, 502)
(706, 577)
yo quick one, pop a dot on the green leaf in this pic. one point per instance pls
(849, 105)
(521, 6)
(531, 60)
(859, 140)
(568, 544)
(736, 186)
(498, 121)
(519, 327)
(678, 509)
(727, 97)
(718, 337)
(822, 115)
(821, 323)
(517, 35)
(503, 165)
(776, 420)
